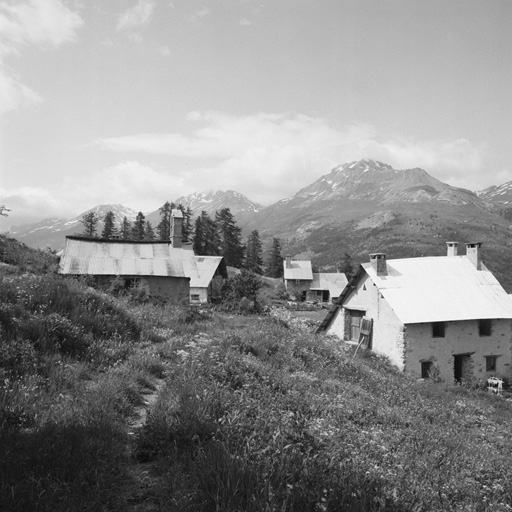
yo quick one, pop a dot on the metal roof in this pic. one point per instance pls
(440, 288)
(206, 268)
(300, 269)
(334, 282)
(112, 257)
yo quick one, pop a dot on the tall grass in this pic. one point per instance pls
(256, 414)
(273, 419)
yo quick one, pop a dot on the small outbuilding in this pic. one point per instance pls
(444, 316)
(211, 274)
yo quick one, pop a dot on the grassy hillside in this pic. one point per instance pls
(250, 414)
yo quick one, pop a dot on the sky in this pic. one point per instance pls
(137, 102)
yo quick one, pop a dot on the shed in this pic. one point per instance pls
(207, 285)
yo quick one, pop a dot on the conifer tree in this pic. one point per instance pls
(150, 232)
(90, 221)
(253, 257)
(139, 227)
(230, 236)
(109, 225)
(164, 226)
(275, 260)
(126, 229)
(187, 222)
(206, 239)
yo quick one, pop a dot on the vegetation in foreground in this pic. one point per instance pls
(255, 414)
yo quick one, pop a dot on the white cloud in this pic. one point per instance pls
(137, 16)
(200, 14)
(36, 22)
(164, 51)
(244, 22)
(39, 23)
(268, 157)
(14, 94)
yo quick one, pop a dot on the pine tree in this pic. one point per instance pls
(230, 237)
(126, 229)
(109, 225)
(206, 238)
(150, 232)
(164, 226)
(253, 257)
(346, 265)
(139, 227)
(187, 222)
(275, 260)
(90, 221)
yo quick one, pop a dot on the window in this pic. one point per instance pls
(490, 363)
(438, 329)
(426, 368)
(194, 297)
(485, 327)
(353, 325)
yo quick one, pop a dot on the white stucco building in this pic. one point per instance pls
(447, 315)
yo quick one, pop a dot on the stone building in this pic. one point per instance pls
(446, 316)
(303, 284)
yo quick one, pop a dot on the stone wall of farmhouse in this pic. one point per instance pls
(460, 338)
(172, 289)
(296, 288)
(388, 331)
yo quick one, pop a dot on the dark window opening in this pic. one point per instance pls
(131, 282)
(426, 368)
(485, 327)
(438, 329)
(490, 363)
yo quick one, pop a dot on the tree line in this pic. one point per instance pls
(218, 236)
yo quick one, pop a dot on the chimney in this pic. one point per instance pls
(473, 254)
(452, 248)
(378, 262)
(176, 228)
(288, 262)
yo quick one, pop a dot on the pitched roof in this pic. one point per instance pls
(434, 289)
(128, 258)
(441, 288)
(334, 282)
(206, 268)
(299, 269)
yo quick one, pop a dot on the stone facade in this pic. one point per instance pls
(171, 289)
(461, 340)
(413, 347)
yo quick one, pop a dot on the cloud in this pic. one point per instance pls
(14, 94)
(164, 51)
(270, 156)
(244, 22)
(137, 16)
(200, 14)
(38, 23)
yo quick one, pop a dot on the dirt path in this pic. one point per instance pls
(142, 498)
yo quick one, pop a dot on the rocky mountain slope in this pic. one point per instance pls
(367, 206)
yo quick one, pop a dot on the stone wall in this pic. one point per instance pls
(461, 338)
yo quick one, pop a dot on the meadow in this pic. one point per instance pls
(249, 412)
